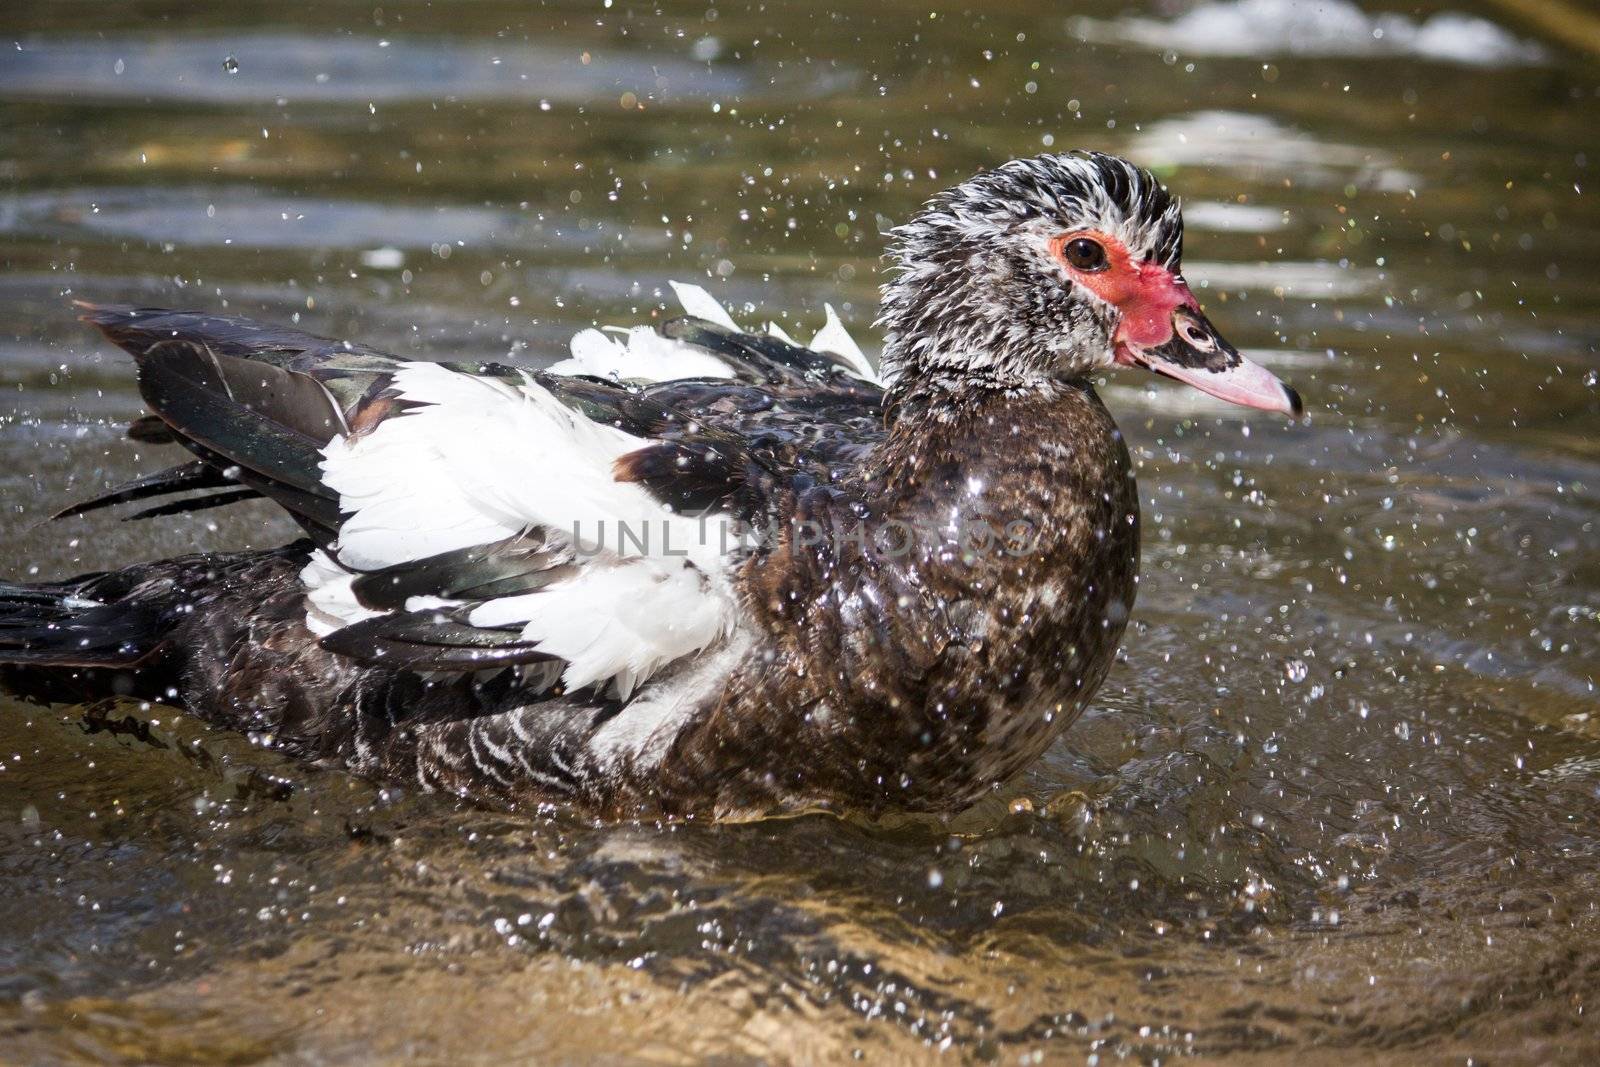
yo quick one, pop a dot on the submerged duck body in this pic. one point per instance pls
(698, 571)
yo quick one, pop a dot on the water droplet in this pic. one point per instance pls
(1295, 670)
(231, 65)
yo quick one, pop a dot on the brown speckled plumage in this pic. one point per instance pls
(921, 681)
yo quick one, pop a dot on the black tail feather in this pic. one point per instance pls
(63, 624)
(255, 403)
(128, 632)
(195, 503)
(180, 479)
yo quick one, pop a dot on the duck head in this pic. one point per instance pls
(1059, 266)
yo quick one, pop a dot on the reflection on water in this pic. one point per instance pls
(1337, 800)
(239, 68)
(228, 216)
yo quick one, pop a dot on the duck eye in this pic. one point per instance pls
(1083, 254)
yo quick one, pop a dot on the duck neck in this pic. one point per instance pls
(927, 395)
(942, 392)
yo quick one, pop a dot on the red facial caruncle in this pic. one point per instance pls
(1145, 292)
(1161, 327)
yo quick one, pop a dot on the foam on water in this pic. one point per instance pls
(1263, 147)
(1233, 218)
(1328, 28)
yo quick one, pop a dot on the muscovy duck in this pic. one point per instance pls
(693, 571)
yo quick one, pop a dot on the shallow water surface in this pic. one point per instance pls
(1339, 799)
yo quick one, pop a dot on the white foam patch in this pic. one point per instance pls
(1324, 28)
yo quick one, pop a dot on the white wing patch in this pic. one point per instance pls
(640, 733)
(621, 622)
(834, 338)
(330, 603)
(484, 459)
(642, 354)
(702, 305)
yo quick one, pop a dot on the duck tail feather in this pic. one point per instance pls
(182, 478)
(64, 624)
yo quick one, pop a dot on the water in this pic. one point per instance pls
(1337, 801)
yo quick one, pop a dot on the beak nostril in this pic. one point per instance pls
(1195, 336)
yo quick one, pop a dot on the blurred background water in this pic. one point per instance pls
(1338, 800)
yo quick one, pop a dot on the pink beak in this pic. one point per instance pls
(1163, 330)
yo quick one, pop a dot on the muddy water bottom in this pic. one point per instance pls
(1336, 802)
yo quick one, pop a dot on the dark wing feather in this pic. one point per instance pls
(694, 477)
(138, 330)
(195, 392)
(790, 418)
(183, 478)
(482, 572)
(256, 403)
(432, 641)
(802, 408)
